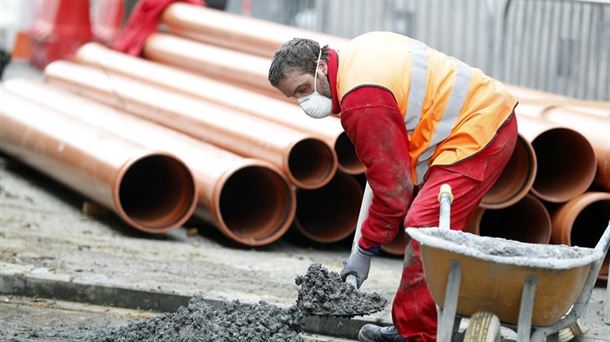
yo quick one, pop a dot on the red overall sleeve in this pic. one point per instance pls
(372, 120)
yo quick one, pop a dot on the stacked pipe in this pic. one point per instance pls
(578, 219)
(205, 80)
(149, 189)
(247, 199)
(251, 156)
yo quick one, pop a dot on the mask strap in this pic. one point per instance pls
(315, 75)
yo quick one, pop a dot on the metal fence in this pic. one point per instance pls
(562, 46)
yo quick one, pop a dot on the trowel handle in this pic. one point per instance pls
(445, 197)
(352, 280)
(367, 198)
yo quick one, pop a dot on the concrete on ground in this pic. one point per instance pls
(27, 319)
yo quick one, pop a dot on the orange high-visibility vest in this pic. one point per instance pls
(450, 109)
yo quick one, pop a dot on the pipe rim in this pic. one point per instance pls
(334, 206)
(347, 159)
(519, 179)
(179, 180)
(310, 163)
(582, 157)
(567, 215)
(531, 203)
(276, 224)
(576, 205)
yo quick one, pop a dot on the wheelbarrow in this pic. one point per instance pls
(537, 290)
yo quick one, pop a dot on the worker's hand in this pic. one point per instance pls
(358, 265)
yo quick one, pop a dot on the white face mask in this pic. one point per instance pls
(316, 105)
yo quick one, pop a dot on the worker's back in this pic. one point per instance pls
(451, 110)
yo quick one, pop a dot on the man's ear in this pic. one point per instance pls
(323, 67)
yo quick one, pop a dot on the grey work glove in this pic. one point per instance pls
(358, 265)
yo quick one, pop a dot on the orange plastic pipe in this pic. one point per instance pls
(151, 191)
(516, 180)
(329, 214)
(566, 160)
(593, 127)
(307, 161)
(219, 63)
(581, 222)
(527, 220)
(247, 199)
(235, 32)
(328, 129)
(528, 96)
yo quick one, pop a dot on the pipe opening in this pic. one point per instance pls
(329, 214)
(566, 165)
(346, 155)
(589, 227)
(516, 179)
(256, 204)
(311, 162)
(525, 221)
(157, 192)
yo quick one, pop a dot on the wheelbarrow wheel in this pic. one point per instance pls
(483, 327)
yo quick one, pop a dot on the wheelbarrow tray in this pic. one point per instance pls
(494, 271)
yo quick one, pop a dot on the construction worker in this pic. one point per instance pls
(417, 119)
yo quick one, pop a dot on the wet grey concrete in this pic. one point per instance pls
(322, 292)
(201, 322)
(34, 319)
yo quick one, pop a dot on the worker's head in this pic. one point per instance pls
(299, 69)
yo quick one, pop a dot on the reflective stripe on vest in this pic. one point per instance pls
(417, 90)
(443, 128)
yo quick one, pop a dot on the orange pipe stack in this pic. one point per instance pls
(148, 189)
(222, 96)
(581, 219)
(308, 162)
(328, 129)
(247, 199)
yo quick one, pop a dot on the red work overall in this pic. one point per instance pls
(374, 122)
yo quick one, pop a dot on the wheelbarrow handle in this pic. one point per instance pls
(367, 199)
(445, 197)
